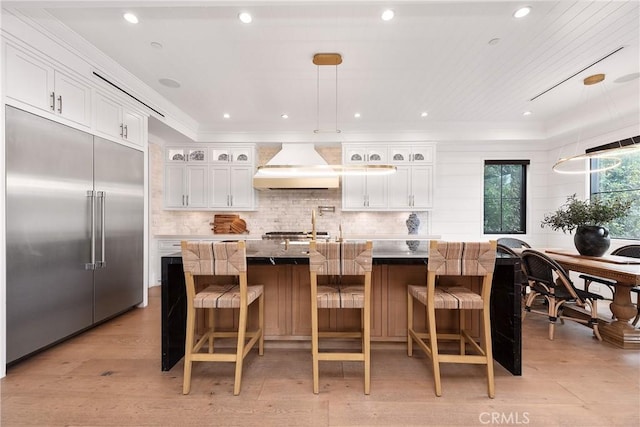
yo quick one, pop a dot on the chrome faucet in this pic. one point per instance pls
(313, 224)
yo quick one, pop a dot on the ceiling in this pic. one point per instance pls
(434, 56)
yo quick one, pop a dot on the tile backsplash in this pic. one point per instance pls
(277, 210)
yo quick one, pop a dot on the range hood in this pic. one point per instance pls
(302, 155)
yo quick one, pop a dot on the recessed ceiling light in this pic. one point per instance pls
(285, 116)
(356, 115)
(522, 12)
(130, 17)
(245, 17)
(169, 83)
(226, 115)
(156, 45)
(526, 113)
(388, 15)
(424, 114)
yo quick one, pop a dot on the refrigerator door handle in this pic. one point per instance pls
(92, 265)
(102, 196)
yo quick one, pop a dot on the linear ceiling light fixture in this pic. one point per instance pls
(607, 158)
(576, 73)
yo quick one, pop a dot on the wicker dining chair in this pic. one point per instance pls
(548, 278)
(512, 242)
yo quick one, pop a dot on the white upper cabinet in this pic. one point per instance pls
(185, 186)
(364, 193)
(117, 121)
(403, 154)
(231, 188)
(203, 178)
(364, 154)
(191, 155)
(37, 83)
(236, 155)
(409, 188)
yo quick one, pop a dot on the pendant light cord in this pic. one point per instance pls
(336, 98)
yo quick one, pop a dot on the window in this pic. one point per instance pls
(624, 181)
(505, 196)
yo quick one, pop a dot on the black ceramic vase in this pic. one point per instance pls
(591, 240)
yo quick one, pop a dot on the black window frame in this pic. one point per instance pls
(523, 196)
(594, 179)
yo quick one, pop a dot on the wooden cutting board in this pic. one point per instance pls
(222, 223)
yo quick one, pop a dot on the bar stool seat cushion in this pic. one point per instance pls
(225, 296)
(455, 297)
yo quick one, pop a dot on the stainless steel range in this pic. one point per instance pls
(294, 235)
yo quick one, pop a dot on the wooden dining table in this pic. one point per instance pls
(625, 272)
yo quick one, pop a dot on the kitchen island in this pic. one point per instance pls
(283, 269)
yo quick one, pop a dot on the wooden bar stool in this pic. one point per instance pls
(455, 259)
(341, 259)
(226, 259)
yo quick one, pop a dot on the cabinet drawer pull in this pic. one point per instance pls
(126, 132)
(122, 131)
(60, 104)
(53, 101)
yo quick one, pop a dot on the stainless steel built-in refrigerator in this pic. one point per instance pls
(75, 218)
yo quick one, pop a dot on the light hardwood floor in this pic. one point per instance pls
(111, 376)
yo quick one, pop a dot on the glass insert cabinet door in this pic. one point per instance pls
(238, 155)
(411, 154)
(197, 155)
(366, 155)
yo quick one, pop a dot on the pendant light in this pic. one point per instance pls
(326, 59)
(608, 158)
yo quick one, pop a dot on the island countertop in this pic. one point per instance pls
(395, 249)
(297, 252)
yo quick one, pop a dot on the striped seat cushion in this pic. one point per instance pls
(456, 297)
(351, 296)
(225, 296)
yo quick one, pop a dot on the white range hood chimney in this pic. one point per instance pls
(295, 155)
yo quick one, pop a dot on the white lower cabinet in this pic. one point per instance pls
(185, 186)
